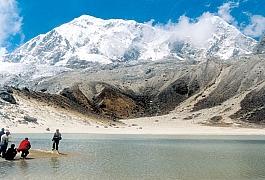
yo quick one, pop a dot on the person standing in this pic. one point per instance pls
(4, 143)
(56, 139)
(24, 147)
(2, 132)
(11, 153)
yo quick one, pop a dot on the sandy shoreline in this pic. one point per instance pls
(182, 132)
(138, 130)
(170, 124)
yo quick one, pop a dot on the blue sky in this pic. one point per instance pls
(40, 16)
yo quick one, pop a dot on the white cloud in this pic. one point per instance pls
(3, 52)
(197, 31)
(224, 12)
(256, 28)
(10, 22)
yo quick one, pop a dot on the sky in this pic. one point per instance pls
(21, 20)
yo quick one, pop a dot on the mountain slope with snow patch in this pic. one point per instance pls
(92, 40)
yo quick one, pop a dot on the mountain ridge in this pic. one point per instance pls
(87, 40)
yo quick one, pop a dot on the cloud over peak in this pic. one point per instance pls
(198, 31)
(256, 28)
(224, 12)
(10, 22)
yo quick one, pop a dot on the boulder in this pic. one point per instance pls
(30, 119)
(7, 97)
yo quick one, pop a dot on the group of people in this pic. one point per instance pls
(10, 153)
(24, 146)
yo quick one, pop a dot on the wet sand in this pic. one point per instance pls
(39, 154)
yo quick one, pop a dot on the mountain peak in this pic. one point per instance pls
(86, 19)
(87, 39)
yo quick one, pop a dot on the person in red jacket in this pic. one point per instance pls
(24, 147)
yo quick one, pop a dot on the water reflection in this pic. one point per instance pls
(55, 163)
(5, 168)
(23, 167)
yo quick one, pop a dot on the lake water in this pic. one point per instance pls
(122, 157)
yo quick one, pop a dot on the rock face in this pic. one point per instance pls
(130, 90)
(240, 76)
(133, 90)
(252, 107)
(107, 101)
(74, 94)
(155, 88)
(117, 104)
(88, 41)
(260, 49)
(6, 96)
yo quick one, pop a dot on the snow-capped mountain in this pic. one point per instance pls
(21, 74)
(92, 40)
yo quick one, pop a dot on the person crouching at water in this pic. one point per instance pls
(56, 138)
(24, 147)
(4, 143)
(11, 153)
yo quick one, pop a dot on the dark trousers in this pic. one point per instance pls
(10, 156)
(24, 153)
(3, 148)
(55, 145)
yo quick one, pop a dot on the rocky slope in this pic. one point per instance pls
(213, 92)
(260, 49)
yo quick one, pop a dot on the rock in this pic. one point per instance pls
(174, 118)
(134, 124)
(216, 119)
(7, 97)
(25, 89)
(8, 89)
(148, 71)
(48, 129)
(43, 90)
(156, 121)
(188, 118)
(23, 122)
(30, 119)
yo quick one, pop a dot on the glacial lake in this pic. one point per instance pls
(129, 157)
